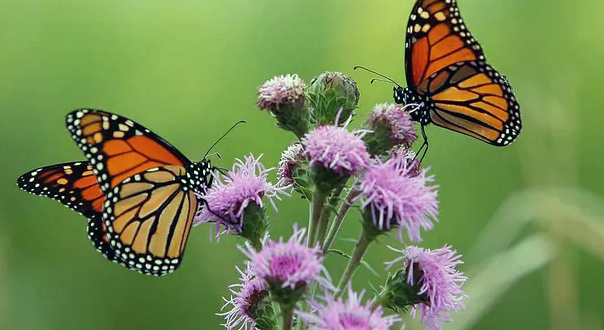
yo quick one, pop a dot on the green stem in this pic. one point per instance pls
(316, 209)
(335, 226)
(288, 317)
(353, 263)
(331, 204)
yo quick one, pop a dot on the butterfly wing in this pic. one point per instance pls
(446, 64)
(475, 100)
(150, 200)
(436, 38)
(75, 186)
(119, 148)
(149, 217)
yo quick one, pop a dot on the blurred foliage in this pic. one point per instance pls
(189, 69)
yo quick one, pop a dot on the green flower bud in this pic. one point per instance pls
(330, 94)
(255, 224)
(398, 295)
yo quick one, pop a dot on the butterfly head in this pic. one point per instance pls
(405, 96)
(200, 175)
(413, 103)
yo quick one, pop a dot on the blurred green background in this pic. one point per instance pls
(528, 217)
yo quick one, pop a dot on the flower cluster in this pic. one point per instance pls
(286, 282)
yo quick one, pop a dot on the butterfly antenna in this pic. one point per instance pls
(377, 74)
(380, 80)
(217, 154)
(222, 137)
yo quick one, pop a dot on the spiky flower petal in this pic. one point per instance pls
(435, 276)
(350, 314)
(392, 195)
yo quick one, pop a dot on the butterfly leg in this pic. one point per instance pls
(424, 146)
(205, 203)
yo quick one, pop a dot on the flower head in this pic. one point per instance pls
(281, 90)
(244, 187)
(336, 149)
(248, 303)
(284, 97)
(347, 315)
(289, 264)
(392, 195)
(406, 158)
(291, 160)
(433, 273)
(391, 126)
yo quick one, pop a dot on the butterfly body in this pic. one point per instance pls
(450, 81)
(139, 193)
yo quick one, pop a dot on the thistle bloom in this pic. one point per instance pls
(290, 161)
(284, 97)
(347, 315)
(438, 281)
(288, 264)
(404, 157)
(227, 200)
(392, 195)
(336, 149)
(246, 305)
(391, 126)
(274, 93)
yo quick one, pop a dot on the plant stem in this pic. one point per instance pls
(353, 263)
(326, 214)
(335, 226)
(316, 209)
(288, 317)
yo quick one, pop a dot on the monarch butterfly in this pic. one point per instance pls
(137, 191)
(447, 74)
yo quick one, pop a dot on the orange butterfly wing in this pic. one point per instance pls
(446, 65)
(75, 186)
(117, 147)
(150, 195)
(150, 219)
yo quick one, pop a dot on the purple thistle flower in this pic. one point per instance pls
(336, 149)
(289, 264)
(434, 273)
(405, 157)
(231, 194)
(347, 315)
(396, 196)
(288, 89)
(248, 299)
(395, 119)
(290, 161)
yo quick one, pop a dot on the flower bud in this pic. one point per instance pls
(391, 126)
(293, 171)
(285, 99)
(329, 93)
(249, 305)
